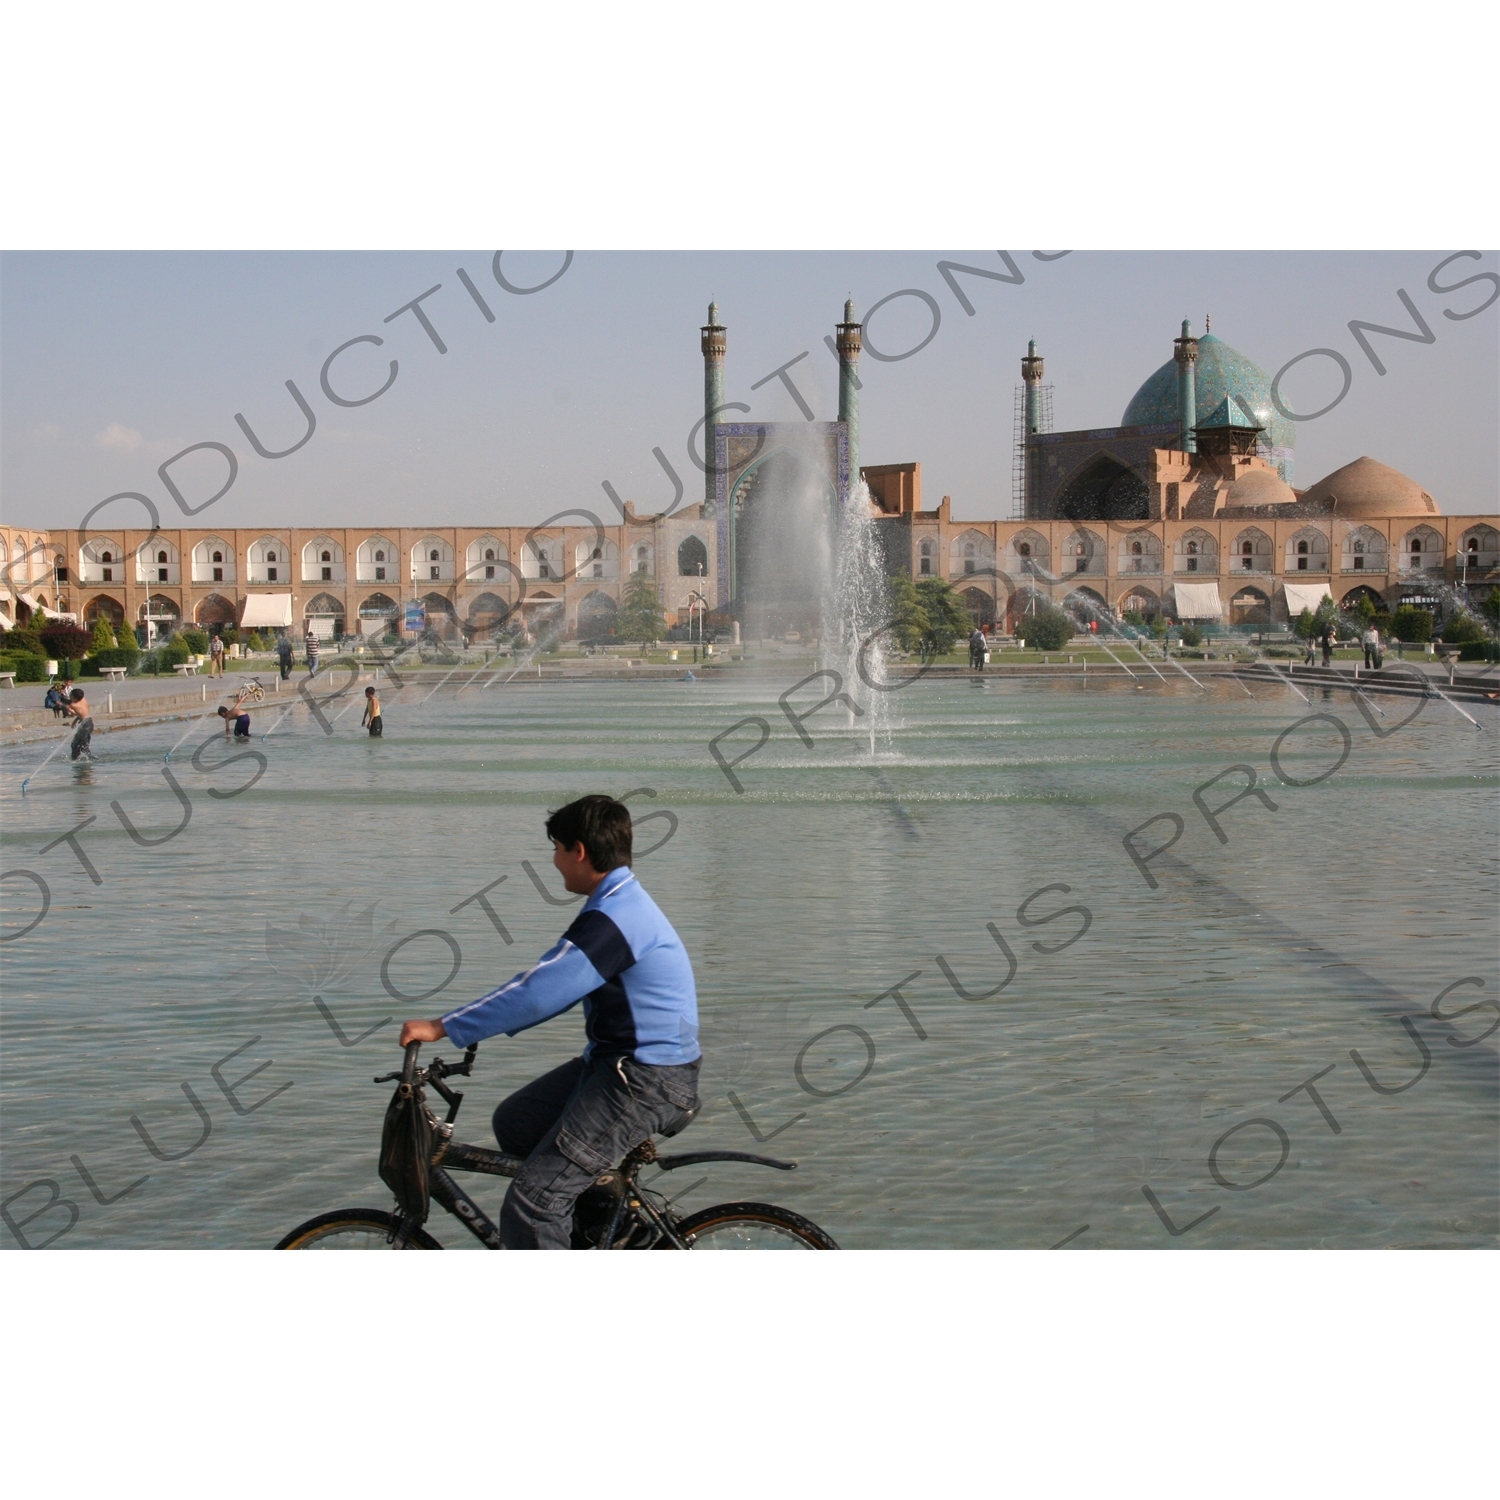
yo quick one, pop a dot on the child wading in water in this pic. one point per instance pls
(372, 714)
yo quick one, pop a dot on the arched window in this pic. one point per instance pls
(968, 557)
(925, 558)
(1024, 549)
(432, 556)
(1192, 548)
(1136, 549)
(161, 557)
(1473, 544)
(1247, 549)
(380, 556)
(325, 556)
(692, 558)
(489, 554)
(107, 557)
(1302, 549)
(218, 557)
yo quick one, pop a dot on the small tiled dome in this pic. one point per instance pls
(1367, 488)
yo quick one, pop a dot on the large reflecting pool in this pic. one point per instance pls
(1069, 1047)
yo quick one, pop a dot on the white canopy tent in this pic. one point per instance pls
(1198, 601)
(266, 609)
(1300, 596)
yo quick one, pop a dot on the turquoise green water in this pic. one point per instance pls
(1112, 1065)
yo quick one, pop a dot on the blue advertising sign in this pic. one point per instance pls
(416, 616)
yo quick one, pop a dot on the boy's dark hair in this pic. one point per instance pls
(76, 696)
(600, 824)
(369, 692)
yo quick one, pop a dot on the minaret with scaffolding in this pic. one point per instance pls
(1033, 414)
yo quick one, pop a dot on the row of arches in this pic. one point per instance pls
(377, 560)
(1246, 604)
(1309, 550)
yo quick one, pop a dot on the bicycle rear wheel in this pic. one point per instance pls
(752, 1226)
(352, 1229)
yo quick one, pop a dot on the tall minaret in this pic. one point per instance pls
(849, 344)
(1031, 375)
(715, 342)
(1185, 352)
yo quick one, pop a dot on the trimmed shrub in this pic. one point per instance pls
(1412, 625)
(21, 643)
(27, 668)
(104, 636)
(1191, 635)
(176, 650)
(196, 640)
(1049, 629)
(116, 656)
(1479, 651)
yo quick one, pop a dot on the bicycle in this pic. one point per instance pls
(617, 1212)
(253, 690)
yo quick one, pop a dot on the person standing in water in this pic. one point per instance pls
(235, 719)
(78, 707)
(372, 714)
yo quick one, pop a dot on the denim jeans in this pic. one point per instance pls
(572, 1124)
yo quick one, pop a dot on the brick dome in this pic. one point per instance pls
(1367, 489)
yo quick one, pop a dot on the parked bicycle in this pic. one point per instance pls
(618, 1212)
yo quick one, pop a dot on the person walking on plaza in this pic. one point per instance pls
(1370, 640)
(976, 650)
(638, 1075)
(1327, 638)
(284, 655)
(215, 656)
(78, 708)
(311, 646)
(1310, 651)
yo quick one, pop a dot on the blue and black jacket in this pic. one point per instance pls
(620, 957)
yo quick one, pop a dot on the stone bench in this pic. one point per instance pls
(185, 668)
(114, 674)
(7, 679)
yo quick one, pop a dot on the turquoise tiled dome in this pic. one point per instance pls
(1221, 372)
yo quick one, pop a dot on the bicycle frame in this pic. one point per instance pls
(631, 1201)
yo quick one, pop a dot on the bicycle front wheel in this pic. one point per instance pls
(352, 1229)
(752, 1226)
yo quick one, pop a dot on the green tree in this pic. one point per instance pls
(1192, 635)
(1462, 628)
(1364, 611)
(1049, 629)
(1304, 626)
(1490, 608)
(1135, 619)
(103, 637)
(948, 616)
(640, 617)
(908, 617)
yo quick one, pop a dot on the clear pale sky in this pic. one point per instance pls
(112, 362)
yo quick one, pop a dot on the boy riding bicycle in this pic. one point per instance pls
(638, 1075)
